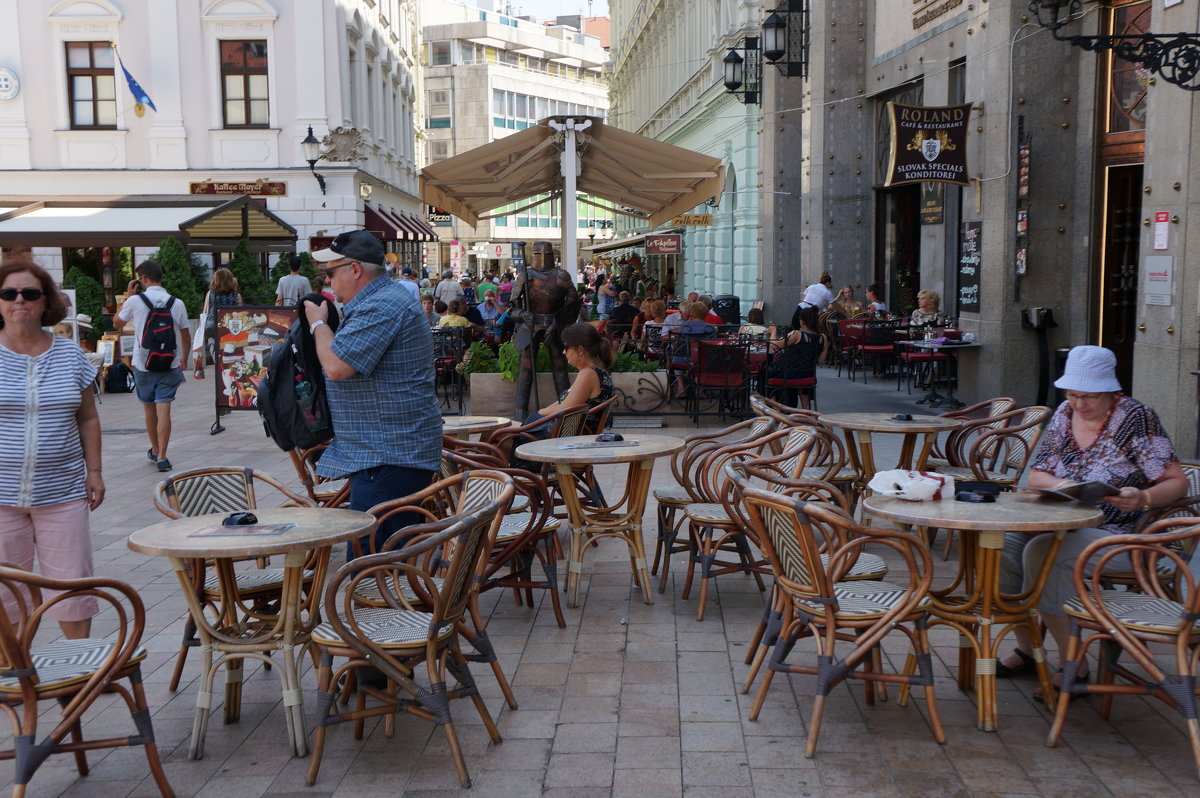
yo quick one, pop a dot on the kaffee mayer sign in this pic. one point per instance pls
(929, 143)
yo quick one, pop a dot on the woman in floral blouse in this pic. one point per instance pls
(1097, 434)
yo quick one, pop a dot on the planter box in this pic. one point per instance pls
(636, 391)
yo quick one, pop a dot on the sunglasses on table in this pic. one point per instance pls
(28, 294)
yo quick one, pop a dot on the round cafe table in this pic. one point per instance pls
(621, 519)
(464, 426)
(973, 603)
(238, 633)
(858, 428)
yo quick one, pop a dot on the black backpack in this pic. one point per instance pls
(291, 397)
(158, 336)
(119, 379)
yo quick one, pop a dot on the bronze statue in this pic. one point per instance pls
(544, 302)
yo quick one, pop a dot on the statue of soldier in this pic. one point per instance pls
(544, 302)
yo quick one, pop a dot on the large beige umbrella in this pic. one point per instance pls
(565, 154)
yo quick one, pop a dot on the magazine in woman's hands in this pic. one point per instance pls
(1090, 493)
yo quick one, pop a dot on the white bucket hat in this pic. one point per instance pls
(84, 320)
(1090, 369)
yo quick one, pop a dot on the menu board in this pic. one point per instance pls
(245, 335)
(969, 251)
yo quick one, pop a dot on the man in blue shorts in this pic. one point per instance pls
(155, 389)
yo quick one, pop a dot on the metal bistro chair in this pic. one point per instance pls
(721, 371)
(75, 672)
(404, 636)
(226, 490)
(859, 613)
(1132, 622)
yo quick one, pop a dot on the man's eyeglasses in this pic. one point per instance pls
(327, 273)
(28, 294)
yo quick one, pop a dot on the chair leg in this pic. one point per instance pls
(325, 699)
(141, 718)
(189, 640)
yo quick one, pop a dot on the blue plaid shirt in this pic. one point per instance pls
(387, 413)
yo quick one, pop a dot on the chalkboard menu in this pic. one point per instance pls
(968, 267)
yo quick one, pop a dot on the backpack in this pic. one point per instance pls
(158, 336)
(291, 396)
(118, 379)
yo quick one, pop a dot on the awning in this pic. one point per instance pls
(426, 230)
(381, 223)
(655, 179)
(145, 222)
(620, 243)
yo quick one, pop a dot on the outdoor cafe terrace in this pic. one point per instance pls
(628, 698)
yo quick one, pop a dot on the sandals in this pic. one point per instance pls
(1028, 664)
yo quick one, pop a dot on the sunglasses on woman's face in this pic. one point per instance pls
(28, 294)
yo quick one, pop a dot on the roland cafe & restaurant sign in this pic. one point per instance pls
(929, 144)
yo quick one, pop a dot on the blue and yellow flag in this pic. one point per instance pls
(141, 98)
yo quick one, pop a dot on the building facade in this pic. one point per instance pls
(666, 83)
(1079, 198)
(488, 75)
(236, 84)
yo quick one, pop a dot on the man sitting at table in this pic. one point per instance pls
(380, 377)
(620, 318)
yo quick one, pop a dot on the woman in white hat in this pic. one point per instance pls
(1097, 434)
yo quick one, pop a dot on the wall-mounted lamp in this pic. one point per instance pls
(785, 38)
(743, 70)
(1176, 57)
(312, 153)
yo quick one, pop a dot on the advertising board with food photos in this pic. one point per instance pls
(245, 335)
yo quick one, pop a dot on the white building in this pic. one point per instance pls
(488, 75)
(665, 82)
(237, 85)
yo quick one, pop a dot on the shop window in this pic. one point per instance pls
(244, 83)
(92, 85)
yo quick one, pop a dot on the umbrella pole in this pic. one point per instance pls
(569, 163)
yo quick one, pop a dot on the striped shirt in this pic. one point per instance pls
(41, 455)
(387, 413)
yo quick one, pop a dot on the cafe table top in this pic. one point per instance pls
(465, 425)
(1011, 512)
(883, 422)
(553, 451)
(313, 528)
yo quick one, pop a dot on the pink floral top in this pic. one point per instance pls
(1132, 450)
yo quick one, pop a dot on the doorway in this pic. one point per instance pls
(1118, 283)
(898, 250)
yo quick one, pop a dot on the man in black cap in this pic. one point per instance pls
(380, 380)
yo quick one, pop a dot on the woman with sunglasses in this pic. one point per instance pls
(50, 470)
(1097, 434)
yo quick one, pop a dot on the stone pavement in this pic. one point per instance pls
(629, 699)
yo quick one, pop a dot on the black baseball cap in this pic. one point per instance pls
(356, 245)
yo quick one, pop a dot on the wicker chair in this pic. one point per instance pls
(1127, 622)
(819, 603)
(978, 418)
(672, 499)
(405, 634)
(323, 492)
(75, 672)
(225, 490)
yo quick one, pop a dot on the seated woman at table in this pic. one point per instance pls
(592, 356)
(1097, 434)
(928, 303)
(875, 302)
(454, 315)
(755, 324)
(798, 355)
(845, 303)
(656, 316)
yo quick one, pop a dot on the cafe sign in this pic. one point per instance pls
(667, 244)
(929, 144)
(254, 188)
(692, 220)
